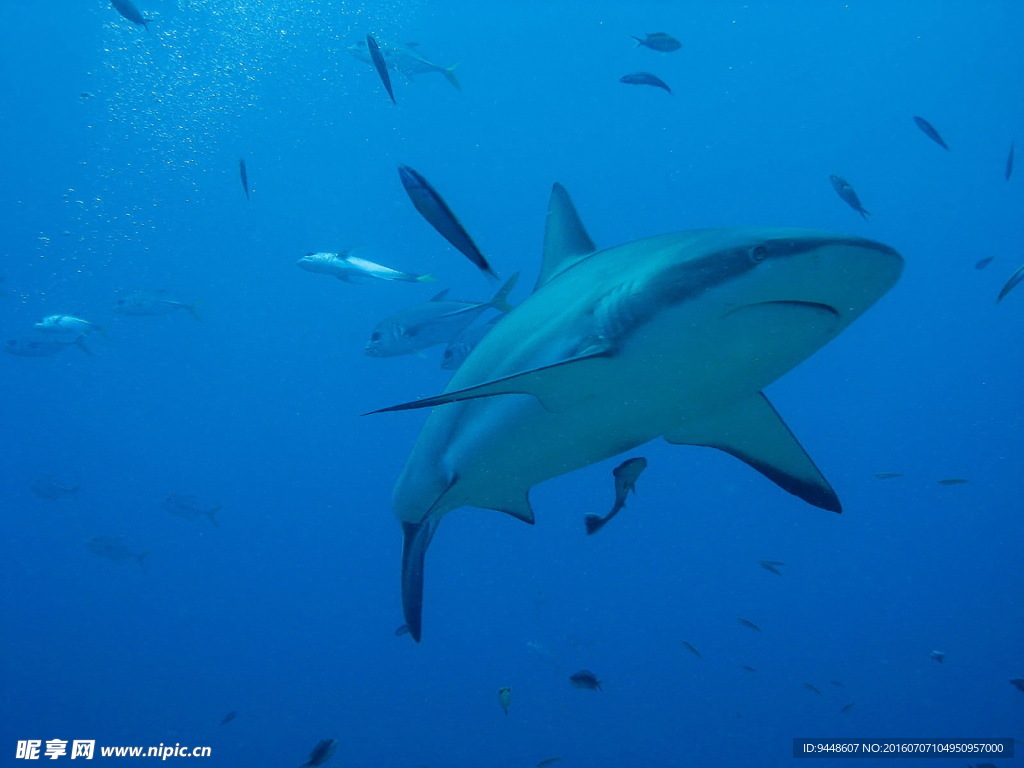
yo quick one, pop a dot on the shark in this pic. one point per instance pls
(673, 336)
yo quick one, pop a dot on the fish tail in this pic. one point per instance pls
(191, 309)
(593, 523)
(500, 300)
(639, 42)
(449, 75)
(864, 213)
(212, 515)
(426, 279)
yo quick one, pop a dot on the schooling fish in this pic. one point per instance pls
(243, 175)
(812, 689)
(435, 210)
(113, 549)
(153, 304)
(1012, 283)
(848, 195)
(67, 324)
(938, 656)
(50, 487)
(658, 41)
(438, 321)
(43, 347)
(229, 717)
(771, 566)
(846, 708)
(929, 131)
(353, 269)
(749, 625)
(690, 648)
(405, 59)
(586, 680)
(1017, 682)
(625, 475)
(189, 507)
(321, 753)
(127, 9)
(982, 263)
(1009, 163)
(459, 348)
(952, 481)
(888, 475)
(379, 65)
(645, 78)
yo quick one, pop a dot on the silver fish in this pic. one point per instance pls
(189, 507)
(152, 304)
(848, 195)
(127, 9)
(406, 59)
(460, 347)
(114, 549)
(929, 130)
(353, 269)
(1012, 283)
(378, 63)
(436, 322)
(68, 324)
(625, 475)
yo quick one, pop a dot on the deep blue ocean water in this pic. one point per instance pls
(285, 612)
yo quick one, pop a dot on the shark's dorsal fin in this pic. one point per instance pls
(753, 432)
(565, 239)
(550, 384)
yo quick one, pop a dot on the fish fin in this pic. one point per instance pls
(500, 300)
(416, 539)
(212, 515)
(426, 279)
(550, 384)
(449, 75)
(520, 510)
(566, 241)
(191, 309)
(441, 296)
(594, 523)
(80, 343)
(753, 432)
(639, 41)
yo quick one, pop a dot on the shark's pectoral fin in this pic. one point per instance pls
(555, 386)
(417, 538)
(755, 433)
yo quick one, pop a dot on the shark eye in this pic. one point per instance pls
(758, 253)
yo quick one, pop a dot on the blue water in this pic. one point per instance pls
(285, 612)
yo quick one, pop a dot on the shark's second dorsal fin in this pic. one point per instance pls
(565, 239)
(753, 432)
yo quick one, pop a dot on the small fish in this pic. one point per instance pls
(937, 656)
(546, 763)
(982, 263)
(435, 210)
(352, 269)
(848, 195)
(86, 95)
(378, 63)
(189, 507)
(43, 347)
(625, 475)
(321, 753)
(749, 625)
(114, 549)
(952, 481)
(846, 708)
(836, 683)
(505, 698)
(586, 680)
(812, 689)
(50, 487)
(929, 131)
(645, 78)
(243, 175)
(458, 349)
(127, 9)
(748, 669)
(406, 59)
(402, 630)
(771, 566)
(229, 717)
(1017, 682)
(438, 321)
(152, 304)
(888, 475)
(690, 648)
(658, 41)
(1012, 283)
(1009, 163)
(68, 324)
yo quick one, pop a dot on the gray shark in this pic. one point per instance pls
(672, 336)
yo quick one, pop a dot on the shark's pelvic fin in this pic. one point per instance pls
(417, 538)
(755, 433)
(565, 239)
(550, 384)
(520, 510)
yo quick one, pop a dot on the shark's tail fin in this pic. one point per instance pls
(594, 523)
(449, 75)
(417, 538)
(500, 300)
